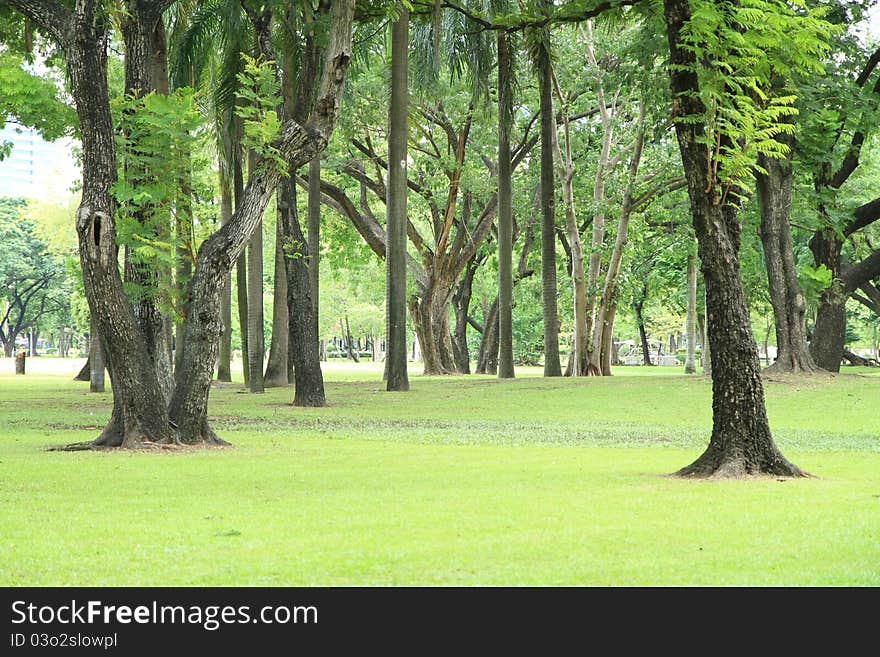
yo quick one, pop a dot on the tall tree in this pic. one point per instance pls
(552, 366)
(505, 210)
(396, 223)
(741, 442)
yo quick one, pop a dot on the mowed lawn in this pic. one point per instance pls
(462, 481)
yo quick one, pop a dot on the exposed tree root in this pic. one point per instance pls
(113, 437)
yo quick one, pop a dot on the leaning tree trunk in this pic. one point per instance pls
(741, 443)
(297, 144)
(395, 255)
(276, 367)
(690, 363)
(789, 304)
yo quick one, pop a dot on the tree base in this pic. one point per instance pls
(712, 465)
(113, 437)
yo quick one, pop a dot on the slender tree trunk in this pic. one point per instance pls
(505, 211)
(461, 302)
(277, 365)
(488, 360)
(256, 335)
(690, 365)
(395, 257)
(241, 278)
(603, 326)
(224, 363)
(643, 334)
(552, 365)
(789, 304)
(741, 443)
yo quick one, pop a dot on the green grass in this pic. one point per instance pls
(464, 480)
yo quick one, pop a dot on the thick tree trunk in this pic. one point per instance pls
(430, 316)
(277, 366)
(690, 363)
(789, 304)
(142, 56)
(505, 211)
(741, 443)
(829, 332)
(395, 257)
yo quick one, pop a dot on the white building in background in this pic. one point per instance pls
(35, 168)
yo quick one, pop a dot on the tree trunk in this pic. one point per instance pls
(256, 335)
(603, 326)
(505, 211)
(241, 278)
(690, 364)
(84, 371)
(20, 360)
(277, 366)
(96, 360)
(395, 256)
(139, 30)
(552, 365)
(461, 302)
(488, 360)
(741, 443)
(224, 362)
(789, 304)
(638, 307)
(297, 144)
(303, 334)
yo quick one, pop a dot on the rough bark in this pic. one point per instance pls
(396, 223)
(488, 360)
(297, 144)
(741, 443)
(789, 304)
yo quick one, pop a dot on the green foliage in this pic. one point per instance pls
(741, 50)
(32, 100)
(33, 281)
(154, 147)
(259, 95)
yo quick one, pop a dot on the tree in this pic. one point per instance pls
(32, 280)
(396, 223)
(708, 76)
(505, 210)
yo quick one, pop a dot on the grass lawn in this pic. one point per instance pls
(462, 481)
